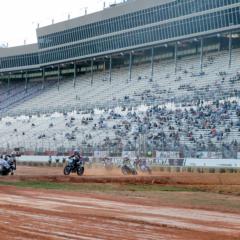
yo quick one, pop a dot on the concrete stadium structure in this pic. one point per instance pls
(121, 29)
(174, 58)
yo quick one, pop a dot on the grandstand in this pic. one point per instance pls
(144, 76)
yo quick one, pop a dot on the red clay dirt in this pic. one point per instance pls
(48, 214)
(39, 214)
(100, 175)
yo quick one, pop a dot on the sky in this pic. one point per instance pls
(20, 18)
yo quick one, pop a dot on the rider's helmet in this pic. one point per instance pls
(13, 154)
(76, 152)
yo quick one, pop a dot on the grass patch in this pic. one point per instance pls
(36, 185)
(157, 188)
(98, 187)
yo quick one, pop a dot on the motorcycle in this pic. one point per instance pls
(74, 167)
(145, 169)
(142, 166)
(7, 167)
(108, 164)
(128, 170)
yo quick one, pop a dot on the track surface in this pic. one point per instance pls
(45, 214)
(100, 175)
(53, 215)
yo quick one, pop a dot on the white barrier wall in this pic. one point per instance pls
(42, 159)
(101, 154)
(197, 162)
(188, 162)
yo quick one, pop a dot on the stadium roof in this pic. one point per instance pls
(118, 10)
(19, 50)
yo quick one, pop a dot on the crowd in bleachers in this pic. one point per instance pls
(188, 111)
(206, 126)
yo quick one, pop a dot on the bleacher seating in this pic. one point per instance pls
(166, 84)
(188, 111)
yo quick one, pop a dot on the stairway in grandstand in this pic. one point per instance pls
(166, 84)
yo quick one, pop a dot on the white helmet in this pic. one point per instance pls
(76, 151)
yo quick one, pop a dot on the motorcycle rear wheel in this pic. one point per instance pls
(124, 171)
(67, 170)
(134, 172)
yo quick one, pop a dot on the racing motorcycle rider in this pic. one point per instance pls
(76, 157)
(13, 161)
(4, 162)
(127, 162)
(137, 162)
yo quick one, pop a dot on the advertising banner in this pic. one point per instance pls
(101, 154)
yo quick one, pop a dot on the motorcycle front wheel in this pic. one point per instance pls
(149, 170)
(80, 171)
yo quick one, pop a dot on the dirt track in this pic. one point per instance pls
(35, 214)
(50, 214)
(100, 175)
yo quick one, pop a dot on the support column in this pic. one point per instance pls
(92, 71)
(230, 49)
(59, 75)
(75, 75)
(104, 66)
(43, 78)
(9, 75)
(26, 81)
(22, 75)
(176, 55)
(130, 66)
(110, 69)
(201, 55)
(152, 63)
